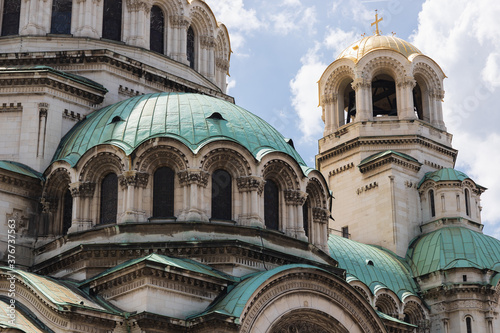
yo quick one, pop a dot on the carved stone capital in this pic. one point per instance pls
(295, 197)
(360, 83)
(407, 81)
(222, 64)
(133, 178)
(320, 215)
(179, 21)
(199, 177)
(250, 183)
(82, 189)
(138, 5)
(207, 42)
(437, 94)
(329, 99)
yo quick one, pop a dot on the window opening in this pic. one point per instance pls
(384, 96)
(163, 192)
(157, 30)
(417, 102)
(305, 217)
(10, 17)
(345, 232)
(67, 211)
(467, 202)
(112, 20)
(109, 199)
(61, 17)
(190, 47)
(468, 324)
(221, 195)
(271, 205)
(431, 199)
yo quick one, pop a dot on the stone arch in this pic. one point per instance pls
(53, 202)
(316, 193)
(311, 291)
(172, 7)
(414, 312)
(364, 291)
(228, 159)
(385, 303)
(383, 64)
(202, 18)
(282, 173)
(337, 76)
(307, 321)
(100, 164)
(222, 48)
(160, 155)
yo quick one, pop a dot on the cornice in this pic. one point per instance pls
(392, 158)
(386, 141)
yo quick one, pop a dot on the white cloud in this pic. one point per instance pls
(239, 20)
(464, 38)
(338, 40)
(290, 16)
(304, 90)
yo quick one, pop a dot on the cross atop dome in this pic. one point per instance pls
(377, 20)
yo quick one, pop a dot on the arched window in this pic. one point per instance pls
(418, 103)
(112, 20)
(384, 96)
(271, 205)
(305, 216)
(468, 324)
(467, 202)
(109, 199)
(221, 195)
(190, 48)
(10, 17)
(349, 105)
(163, 192)
(61, 17)
(432, 205)
(67, 211)
(157, 30)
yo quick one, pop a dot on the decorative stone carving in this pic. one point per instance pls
(133, 178)
(179, 21)
(82, 189)
(187, 177)
(294, 197)
(320, 215)
(250, 183)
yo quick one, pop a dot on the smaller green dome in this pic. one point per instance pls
(446, 175)
(193, 119)
(376, 267)
(453, 247)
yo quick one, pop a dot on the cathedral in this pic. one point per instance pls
(137, 197)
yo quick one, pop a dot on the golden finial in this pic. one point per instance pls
(393, 34)
(363, 34)
(377, 20)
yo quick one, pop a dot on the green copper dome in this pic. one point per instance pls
(453, 247)
(446, 174)
(193, 119)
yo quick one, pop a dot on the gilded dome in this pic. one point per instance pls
(192, 119)
(377, 42)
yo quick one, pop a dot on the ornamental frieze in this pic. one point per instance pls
(82, 189)
(295, 197)
(320, 215)
(133, 178)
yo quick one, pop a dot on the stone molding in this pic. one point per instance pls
(295, 197)
(128, 92)
(320, 215)
(366, 188)
(72, 115)
(309, 282)
(133, 178)
(391, 158)
(227, 159)
(341, 169)
(11, 107)
(82, 189)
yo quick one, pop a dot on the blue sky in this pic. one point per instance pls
(281, 47)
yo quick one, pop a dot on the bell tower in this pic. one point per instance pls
(381, 101)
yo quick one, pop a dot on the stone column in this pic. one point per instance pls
(179, 26)
(82, 193)
(329, 102)
(131, 183)
(436, 97)
(405, 98)
(252, 188)
(320, 223)
(294, 227)
(137, 31)
(35, 17)
(195, 182)
(362, 90)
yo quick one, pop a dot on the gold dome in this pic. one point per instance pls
(377, 42)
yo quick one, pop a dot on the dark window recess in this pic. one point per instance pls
(221, 195)
(464, 277)
(305, 216)
(112, 20)
(190, 47)
(163, 192)
(468, 324)
(67, 212)
(61, 17)
(10, 17)
(431, 199)
(384, 97)
(109, 199)
(271, 205)
(467, 202)
(345, 232)
(157, 30)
